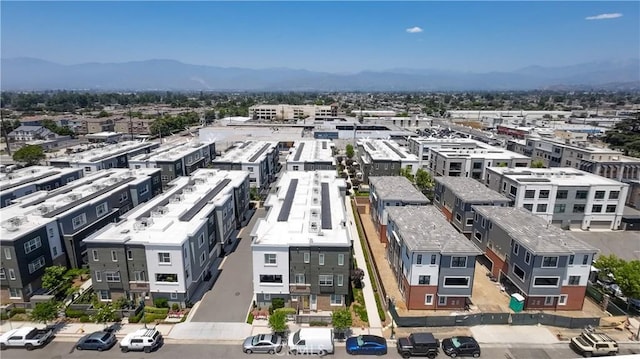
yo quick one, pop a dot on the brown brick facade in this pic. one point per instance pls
(324, 303)
(575, 297)
(447, 213)
(453, 303)
(499, 265)
(382, 233)
(415, 296)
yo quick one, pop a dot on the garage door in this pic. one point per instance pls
(600, 225)
(485, 262)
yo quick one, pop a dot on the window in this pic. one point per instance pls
(37, 264)
(201, 240)
(267, 296)
(321, 259)
(562, 194)
(50, 232)
(326, 280)
(164, 257)
(299, 278)
(571, 259)
(469, 222)
(529, 193)
(458, 217)
(144, 190)
(340, 259)
(478, 236)
(104, 295)
(596, 208)
(7, 253)
(546, 281)
(541, 208)
(599, 195)
(112, 276)
(114, 256)
(559, 208)
(79, 221)
(549, 262)
(203, 258)
(336, 299)
(574, 280)
(614, 194)
(307, 257)
(513, 190)
(433, 258)
(527, 257)
(12, 274)
(585, 259)
(15, 293)
(124, 196)
(456, 281)
(578, 208)
(3, 274)
(54, 250)
(32, 245)
(97, 275)
(173, 295)
(101, 209)
(458, 262)
(428, 299)
(94, 255)
(340, 280)
(548, 300)
(130, 255)
(138, 276)
(424, 279)
(544, 194)
(484, 222)
(442, 300)
(167, 277)
(581, 194)
(563, 299)
(419, 259)
(611, 208)
(516, 248)
(528, 207)
(518, 272)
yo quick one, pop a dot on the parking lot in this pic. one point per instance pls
(624, 244)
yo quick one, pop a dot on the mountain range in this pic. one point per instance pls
(29, 74)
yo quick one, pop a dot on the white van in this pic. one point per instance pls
(311, 341)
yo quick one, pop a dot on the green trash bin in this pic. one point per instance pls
(517, 302)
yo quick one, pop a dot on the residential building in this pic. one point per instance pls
(422, 146)
(455, 196)
(387, 191)
(259, 158)
(384, 158)
(175, 160)
(28, 180)
(434, 265)
(302, 248)
(26, 133)
(548, 266)
(167, 247)
(47, 228)
(563, 196)
(311, 155)
(135, 126)
(106, 157)
(95, 125)
(288, 112)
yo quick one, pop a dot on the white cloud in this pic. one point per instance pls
(414, 30)
(604, 16)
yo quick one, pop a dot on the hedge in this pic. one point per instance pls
(73, 313)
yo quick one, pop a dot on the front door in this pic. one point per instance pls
(314, 302)
(305, 302)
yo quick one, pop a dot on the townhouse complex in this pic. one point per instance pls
(166, 247)
(311, 155)
(302, 248)
(259, 158)
(28, 180)
(384, 158)
(106, 157)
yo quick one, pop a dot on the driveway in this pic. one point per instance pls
(231, 296)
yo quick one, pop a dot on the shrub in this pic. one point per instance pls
(175, 307)
(318, 323)
(152, 310)
(85, 319)
(4, 316)
(381, 312)
(161, 303)
(73, 313)
(18, 311)
(287, 311)
(135, 318)
(250, 318)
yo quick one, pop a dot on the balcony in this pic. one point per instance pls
(139, 286)
(299, 288)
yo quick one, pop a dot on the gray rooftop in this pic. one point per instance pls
(470, 190)
(532, 231)
(424, 228)
(396, 188)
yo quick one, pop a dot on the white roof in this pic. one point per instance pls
(171, 152)
(248, 152)
(169, 218)
(308, 209)
(31, 175)
(386, 150)
(561, 176)
(490, 153)
(311, 151)
(104, 152)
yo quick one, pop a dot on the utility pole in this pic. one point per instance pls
(130, 123)
(4, 133)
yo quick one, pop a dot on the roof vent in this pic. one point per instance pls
(13, 224)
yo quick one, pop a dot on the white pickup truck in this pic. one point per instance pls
(26, 337)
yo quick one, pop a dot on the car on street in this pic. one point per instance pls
(25, 337)
(145, 339)
(96, 341)
(367, 345)
(262, 343)
(418, 344)
(461, 346)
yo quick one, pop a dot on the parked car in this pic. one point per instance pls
(263, 343)
(461, 346)
(311, 341)
(367, 344)
(25, 337)
(418, 344)
(97, 341)
(144, 339)
(591, 343)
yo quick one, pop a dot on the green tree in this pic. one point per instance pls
(406, 172)
(29, 154)
(341, 320)
(45, 312)
(627, 277)
(537, 164)
(54, 278)
(607, 266)
(278, 321)
(103, 113)
(350, 152)
(424, 181)
(104, 313)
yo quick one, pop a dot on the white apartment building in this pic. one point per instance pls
(561, 195)
(105, 157)
(302, 248)
(311, 155)
(289, 112)
(384, 158)
(473, 163)
(422, 146)
(259, 158)
(31, 179)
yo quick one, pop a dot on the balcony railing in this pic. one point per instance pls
(299, 288)
(142, 286)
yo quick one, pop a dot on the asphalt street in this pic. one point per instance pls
(60, 349)
(232, 293)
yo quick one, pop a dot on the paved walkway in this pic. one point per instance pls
(375, 324)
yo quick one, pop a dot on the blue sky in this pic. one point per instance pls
(325, 36)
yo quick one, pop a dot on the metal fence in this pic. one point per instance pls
(307, 319)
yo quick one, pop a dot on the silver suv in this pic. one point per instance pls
(591, 343)
(144, 339)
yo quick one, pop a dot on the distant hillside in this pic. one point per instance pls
(36, 74)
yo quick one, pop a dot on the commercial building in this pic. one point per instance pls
(176, 160)
(455, 196)
(28, 180)
(259, 158)
(167, 247)
(387, 191)
(47, 228)
(548, 266)
(289, 112)
(302, 248)
(434, 265)
(106, 157)
(384, 158)
(563, 196)
(311, 155)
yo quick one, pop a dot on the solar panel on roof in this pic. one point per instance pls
(299, 152)
(394, 149)
(203, 202)
(325, 206)
(257, 154)
(371, 147)
(283, 216)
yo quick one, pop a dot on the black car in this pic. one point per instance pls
(461, 346)
(97, 341)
